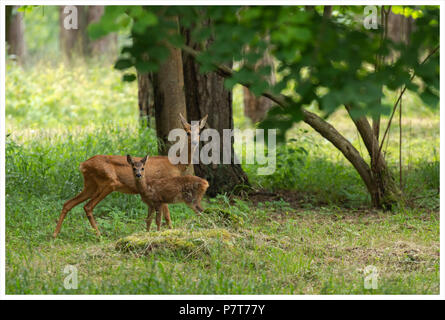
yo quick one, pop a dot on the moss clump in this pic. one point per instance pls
(179, 241)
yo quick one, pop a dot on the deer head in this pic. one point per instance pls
(137, 166)
(193, 131)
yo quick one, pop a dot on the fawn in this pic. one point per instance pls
(187, 189)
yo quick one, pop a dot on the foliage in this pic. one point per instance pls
(66, 96)
(327, 62)
(41, 31)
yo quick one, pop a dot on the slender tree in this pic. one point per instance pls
(106, 45)
(72, 27)
(145, 98)
(15, 28)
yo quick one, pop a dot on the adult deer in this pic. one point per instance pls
(104, 174)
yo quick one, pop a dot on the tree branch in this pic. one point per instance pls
(317, 123)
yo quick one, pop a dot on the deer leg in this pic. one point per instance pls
(93, 203)
(199, 207)
(86, 193)
(158, 219)
(151, 211)
(166, 214)
(193, 206)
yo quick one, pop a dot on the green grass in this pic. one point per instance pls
(316, 240)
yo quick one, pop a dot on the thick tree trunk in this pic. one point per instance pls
(106, 45)
(168, 88)
(256, 107)
(73, 41)
(15, 28)
(205, 94)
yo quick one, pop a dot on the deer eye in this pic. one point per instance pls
(142, 169)
(134, 169)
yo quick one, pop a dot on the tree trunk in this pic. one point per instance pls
(73, 41)
(168, 88)
(106, 45)
(205, 94)
(399, 27)
(15, 28)
(256, 107)
(385, 191)
(145, 98)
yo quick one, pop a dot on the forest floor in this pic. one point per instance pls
(306, 229)
(270, 247)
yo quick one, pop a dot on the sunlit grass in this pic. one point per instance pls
(46, 96)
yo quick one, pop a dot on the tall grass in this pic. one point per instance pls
(46, 162)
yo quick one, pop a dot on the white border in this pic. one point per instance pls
(197, 297)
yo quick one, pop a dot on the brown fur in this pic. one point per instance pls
(155, 192)
(104, 174)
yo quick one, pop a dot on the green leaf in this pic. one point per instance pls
(122, 64)
(129, 77)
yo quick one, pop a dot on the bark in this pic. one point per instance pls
(15, 28)
(73, 41)
(342, 144)
(327, 11)
(106, 45)
(145, 98)
(169, 97)
(206, 94)
(399, 27)
(256, 107)
(385, 191)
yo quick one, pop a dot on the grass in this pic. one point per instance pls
(312, 232)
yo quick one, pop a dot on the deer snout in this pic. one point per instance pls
(138, 175)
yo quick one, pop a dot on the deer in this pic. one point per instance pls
(104, 174)
(156, 192)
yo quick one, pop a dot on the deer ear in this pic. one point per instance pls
(129, 160)
(184, 122)
(144, 159)
(203, 122)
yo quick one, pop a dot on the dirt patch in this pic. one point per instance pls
(295, 199)
(401, 256)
